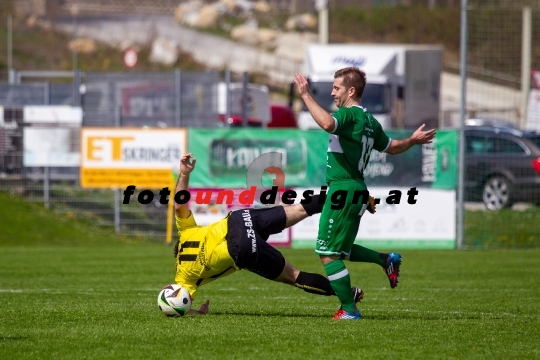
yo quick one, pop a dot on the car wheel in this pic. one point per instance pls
(496, 193)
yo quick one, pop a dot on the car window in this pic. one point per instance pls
(536, 140)
(507, 146)
(477, 144)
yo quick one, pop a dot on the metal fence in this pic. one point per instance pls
(499, 166)
(167, 99)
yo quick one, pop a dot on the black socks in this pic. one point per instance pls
(314, 283)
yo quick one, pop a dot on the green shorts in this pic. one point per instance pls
(338, 226)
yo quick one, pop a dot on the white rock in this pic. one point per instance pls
(164, 52)
(208, 17)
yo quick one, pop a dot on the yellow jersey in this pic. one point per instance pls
(203, 255)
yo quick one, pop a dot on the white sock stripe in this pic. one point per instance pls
(339, 275)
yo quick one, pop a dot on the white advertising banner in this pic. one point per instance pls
(47, 114)
(533, 111)
(429, 223)
(50, 147)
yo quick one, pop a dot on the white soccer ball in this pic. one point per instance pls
(174, 300)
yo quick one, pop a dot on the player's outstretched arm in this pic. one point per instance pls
(202, 311)
(321, 117)
(187, 165)
(418, 138)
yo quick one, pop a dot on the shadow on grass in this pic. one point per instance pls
(254, 314)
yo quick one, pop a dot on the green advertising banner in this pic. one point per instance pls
(224, 155)
(431, 165)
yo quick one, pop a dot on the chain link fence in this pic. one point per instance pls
(153, 100)
(502, 165)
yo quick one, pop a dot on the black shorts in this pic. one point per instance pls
(248, 232)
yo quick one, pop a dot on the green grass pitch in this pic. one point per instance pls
(77, 292)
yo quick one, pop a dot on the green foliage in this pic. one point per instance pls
(502, 229)
(396, 24)
(29, 224)
(35, 48)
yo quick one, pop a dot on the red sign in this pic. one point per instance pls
(130, 58)
(536, 78)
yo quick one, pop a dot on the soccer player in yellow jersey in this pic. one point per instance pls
(206, 253)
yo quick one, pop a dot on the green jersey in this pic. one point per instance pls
(357, 133)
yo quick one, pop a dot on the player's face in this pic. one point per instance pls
(339, 92)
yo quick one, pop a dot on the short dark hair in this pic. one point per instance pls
(353, 77)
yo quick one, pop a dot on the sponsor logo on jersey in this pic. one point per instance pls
(249, 230)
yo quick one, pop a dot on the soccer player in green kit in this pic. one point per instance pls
(354, 132)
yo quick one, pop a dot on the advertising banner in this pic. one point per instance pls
(431, 165)
(223, 157)
(47, 114)
(430, 223)
(50, 147)
(118, 157)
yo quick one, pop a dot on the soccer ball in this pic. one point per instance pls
(174, 300)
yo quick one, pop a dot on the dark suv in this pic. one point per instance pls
(502, 166)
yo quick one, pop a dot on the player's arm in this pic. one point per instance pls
(202, 311)
(186, 167)
(321, 116)
(419, 137)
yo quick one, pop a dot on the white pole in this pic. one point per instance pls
(525, 63)
(463, 111)
(322, 7)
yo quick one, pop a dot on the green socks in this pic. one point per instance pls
(362, 254)
(341, 283)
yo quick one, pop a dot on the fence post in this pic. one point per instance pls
(117, 213)
(526, 43)
(244, 99)
(463, 108)
(227, 98)
(177, 97)
(46, 186)
(77, 88)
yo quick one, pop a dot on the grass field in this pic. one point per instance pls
(68, 290)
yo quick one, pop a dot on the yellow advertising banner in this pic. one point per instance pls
(120, 178)
(119, 157)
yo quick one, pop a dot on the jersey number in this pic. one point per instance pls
(367, 145)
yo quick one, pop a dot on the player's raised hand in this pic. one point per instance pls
(187, 164)
(301, 84)
(423, 137)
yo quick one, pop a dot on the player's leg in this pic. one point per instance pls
(337, 232)
(390, 262)
(309, 282)
(298, 212)
(362, 254)
(270, 260)
(275, 219)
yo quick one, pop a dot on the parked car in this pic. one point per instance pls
(490, 122)
(502, 166)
